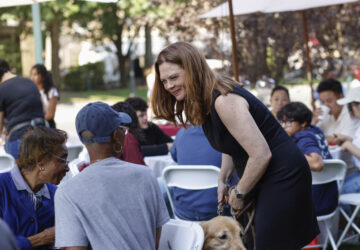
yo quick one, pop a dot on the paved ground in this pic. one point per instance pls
(66, 113)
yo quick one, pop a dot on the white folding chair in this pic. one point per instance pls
(193, 177)
(352, 199)
(7, 162)
(181, 235)
(334, 170)
(73, 151)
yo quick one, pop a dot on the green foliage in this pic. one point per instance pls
(86, 77)
(10, 52)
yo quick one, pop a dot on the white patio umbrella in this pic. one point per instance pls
(239, 7)
(9, 3)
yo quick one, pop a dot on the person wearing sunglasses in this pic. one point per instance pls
(112, 204)
(27, 191)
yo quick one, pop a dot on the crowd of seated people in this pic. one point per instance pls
(118, 141)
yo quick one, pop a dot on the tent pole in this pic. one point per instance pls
(308, 62)
(233, 41)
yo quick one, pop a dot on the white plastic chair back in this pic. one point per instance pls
(73, 151)
(181, 235)
(333, 170)
(7, 162)
(192, 177)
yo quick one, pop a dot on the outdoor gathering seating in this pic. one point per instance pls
(352, 199)
(334, 170)
(193, 177)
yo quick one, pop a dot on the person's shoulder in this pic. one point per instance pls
(306, 133)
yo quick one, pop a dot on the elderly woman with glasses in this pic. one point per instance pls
(27, 191)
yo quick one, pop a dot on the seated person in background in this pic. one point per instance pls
(112, 204)
(295, 118)
(338, 121)
(131, 151)
(351, 143)
(156, 141)
(191, 147)
(27, 191)
(279, 98)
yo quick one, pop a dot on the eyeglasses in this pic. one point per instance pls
(63, 161)
(124, 129)
(286, 123)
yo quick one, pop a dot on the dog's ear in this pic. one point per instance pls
(204, 226)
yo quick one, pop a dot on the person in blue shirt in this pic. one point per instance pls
(191, 147)
(27, 191)
(295, 118)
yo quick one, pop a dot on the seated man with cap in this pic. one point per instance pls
(112, 204)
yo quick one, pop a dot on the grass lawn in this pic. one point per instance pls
(112, 95)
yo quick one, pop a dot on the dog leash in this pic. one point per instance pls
(251, 214)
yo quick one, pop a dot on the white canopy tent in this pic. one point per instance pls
(239, 7)
(266, 6)
(9, 3)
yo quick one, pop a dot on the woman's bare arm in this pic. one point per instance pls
(233, 111)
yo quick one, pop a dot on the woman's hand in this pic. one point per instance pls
(222, 191)
(235, 203)
(46, 237)
(49, 235)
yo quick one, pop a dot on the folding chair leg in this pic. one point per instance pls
(329, 236)
(350, 223)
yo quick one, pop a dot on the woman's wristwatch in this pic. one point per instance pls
(239, 195)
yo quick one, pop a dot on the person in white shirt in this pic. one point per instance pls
(338, 121)
(351, 143)
(49, 94)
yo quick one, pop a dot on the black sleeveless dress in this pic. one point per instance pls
(284, 215)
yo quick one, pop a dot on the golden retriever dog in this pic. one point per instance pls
(222, 233)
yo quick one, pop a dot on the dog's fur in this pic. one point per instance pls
(222, 233)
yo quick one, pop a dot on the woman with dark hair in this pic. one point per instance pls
(295, 118)
(49, 94)
(20, 106)
(131, 151)
(279, 97)
(27, 191)
(273, 172)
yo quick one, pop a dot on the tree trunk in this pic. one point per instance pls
(123, 60)
(55, 59)
(148, 47)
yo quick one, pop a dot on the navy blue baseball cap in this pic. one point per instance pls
(101, 120)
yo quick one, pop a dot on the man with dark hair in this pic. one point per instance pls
(156, 142)
(338, 120)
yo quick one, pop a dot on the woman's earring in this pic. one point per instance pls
(118, 151)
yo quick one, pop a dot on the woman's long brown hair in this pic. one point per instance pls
(200, 82)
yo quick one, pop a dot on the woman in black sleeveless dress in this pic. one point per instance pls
(270, 166)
